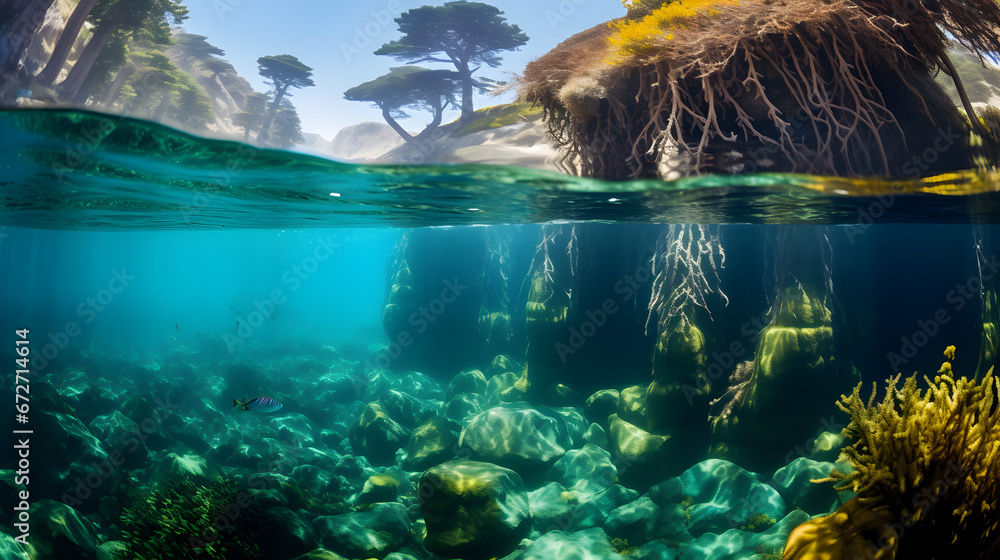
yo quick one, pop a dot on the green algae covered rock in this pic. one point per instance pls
(431, 443)
(59, 532)
(473, 509)
(779, 402)
(647, 455)
(632, 405)
(526, 439)
(319, 554)
(377, 435)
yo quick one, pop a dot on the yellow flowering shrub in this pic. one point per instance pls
(636, 37)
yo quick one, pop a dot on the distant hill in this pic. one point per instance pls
(366, 141)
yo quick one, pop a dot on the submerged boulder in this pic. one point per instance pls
(646, 455)
(431, 443)
(373, 533)
(520, 437)
(589, 544)
(59, 532)
(377, 435)
(473, 509)
(726, 496)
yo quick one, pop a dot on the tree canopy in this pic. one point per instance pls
(460, 33)
(410, 87)
(281, 72)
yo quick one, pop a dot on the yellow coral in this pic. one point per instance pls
(928, 459)
(949, 353)
(636, 37)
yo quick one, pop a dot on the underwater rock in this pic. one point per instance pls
(463, 406)
(726, 496)
(520, 437)
(602, 404)
(502, 364)
(10, 549)
(285, 534)
(337, 387)
(192, 466)
(755, 423)
(121, 434)
(646, 455)
(149, 413)
(589, 544)
(468, 381)
(352, 466)
(406, 409)
(68, 459)
(320, 554)
(596, 435)
(643, 520)
(376, 435)
(632, 405)
(826, 447)
(311, 478)
(433, 442)
(325, 459)
(372, 533)
(294, 429)
(552, 508)
(59, 532)
(473, 509)
(613, 498)
(420, 385)
(497, 385)
(589, 470)
(379, 488)
(677, 400)
(793, 483)
(655, 550)
(108, 551)
(735, 544)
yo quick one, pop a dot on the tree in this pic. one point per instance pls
(466, 33)
(409, 87)
(252, 115)
(282, 72)
(287, 126)
(216, 66)
(67, 39)
(129, 18)
(195, 47)
(19, 21)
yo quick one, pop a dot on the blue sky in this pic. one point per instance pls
(337, 38)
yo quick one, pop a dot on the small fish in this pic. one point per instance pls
(260, 405)
(176, 327)
(237, 325)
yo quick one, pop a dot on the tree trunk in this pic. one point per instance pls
(83, 94)
(65, 44)
(279, 93)
(396, 126)
(116, 86)
(463, 69)
(435, 122)
(162, 108)
(72, 84)
(19, 21)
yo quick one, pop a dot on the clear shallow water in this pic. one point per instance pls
(150, 266)
(75, 169)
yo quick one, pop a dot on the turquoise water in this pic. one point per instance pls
(74, 169)
(452, 341)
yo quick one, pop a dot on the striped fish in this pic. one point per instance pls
(260, 405)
